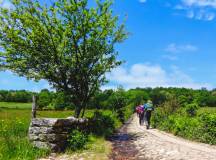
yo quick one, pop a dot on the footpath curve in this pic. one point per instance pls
(153, 144)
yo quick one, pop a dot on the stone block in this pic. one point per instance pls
(43, 122)
(52, 133)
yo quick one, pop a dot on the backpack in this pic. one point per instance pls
(140, 109)
(148, 107)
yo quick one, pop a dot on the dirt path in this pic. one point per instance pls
(156, 145)
(134, 142)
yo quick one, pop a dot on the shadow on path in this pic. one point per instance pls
(123, 147)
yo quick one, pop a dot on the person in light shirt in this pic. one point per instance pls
(148, 108)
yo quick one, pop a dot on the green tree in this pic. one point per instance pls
(44, 98)
(118, 102)
(137, 96)
(66, 43)
(100, 100)
(158, 96)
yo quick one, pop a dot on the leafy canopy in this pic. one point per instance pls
(66, 43)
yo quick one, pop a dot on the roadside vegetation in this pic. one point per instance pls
(188, 115)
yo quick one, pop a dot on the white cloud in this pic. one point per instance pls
(202, 15)
(174, 48)
(198, 9)
(146, 75)
(200, 3)
(209, 16)
(142, 1)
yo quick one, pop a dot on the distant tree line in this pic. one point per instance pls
(113, 99)
(15, 96)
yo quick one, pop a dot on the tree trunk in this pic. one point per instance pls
(83, 113)
(78, 111)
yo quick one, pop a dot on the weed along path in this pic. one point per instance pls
(156, 145)
(134, 142)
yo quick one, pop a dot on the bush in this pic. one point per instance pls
(104, 123)
(129, 110)
(77, 140)
(207, 128)
(186, 123)
(191, 109)
(158, 117)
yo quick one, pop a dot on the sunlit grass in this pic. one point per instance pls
(14, 144)
(97, 148)
(15, 105)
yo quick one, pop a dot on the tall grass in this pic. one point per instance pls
(13, 137)
(14, 124)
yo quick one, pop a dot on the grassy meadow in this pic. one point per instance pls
(14, 123)
(15, 105)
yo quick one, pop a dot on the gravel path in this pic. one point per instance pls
(156, 145)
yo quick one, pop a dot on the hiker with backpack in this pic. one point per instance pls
(140, 112)
(137, 110)
(148, 107)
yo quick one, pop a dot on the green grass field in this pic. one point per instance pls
(14, 105)
(14, 122)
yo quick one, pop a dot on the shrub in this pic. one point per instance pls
(191, 109)
(207, 128)
(104, 123)
(77, 140)
(200, 127)
(129, 110)
(158, 117)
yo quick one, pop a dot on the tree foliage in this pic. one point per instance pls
(66, 43)
(44, 98)
(15, 96)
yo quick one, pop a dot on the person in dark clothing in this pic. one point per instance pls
(141, 117)
(148, 107)
(140, 113)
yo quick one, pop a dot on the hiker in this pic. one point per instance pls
(148, 107)
(140, 110)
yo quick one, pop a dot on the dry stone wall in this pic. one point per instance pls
(52, 133)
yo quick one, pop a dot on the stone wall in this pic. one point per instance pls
(52, 133)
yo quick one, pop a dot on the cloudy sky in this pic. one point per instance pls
(172, 43)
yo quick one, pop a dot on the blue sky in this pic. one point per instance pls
(172, 43)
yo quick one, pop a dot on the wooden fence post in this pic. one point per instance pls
(33, 106)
